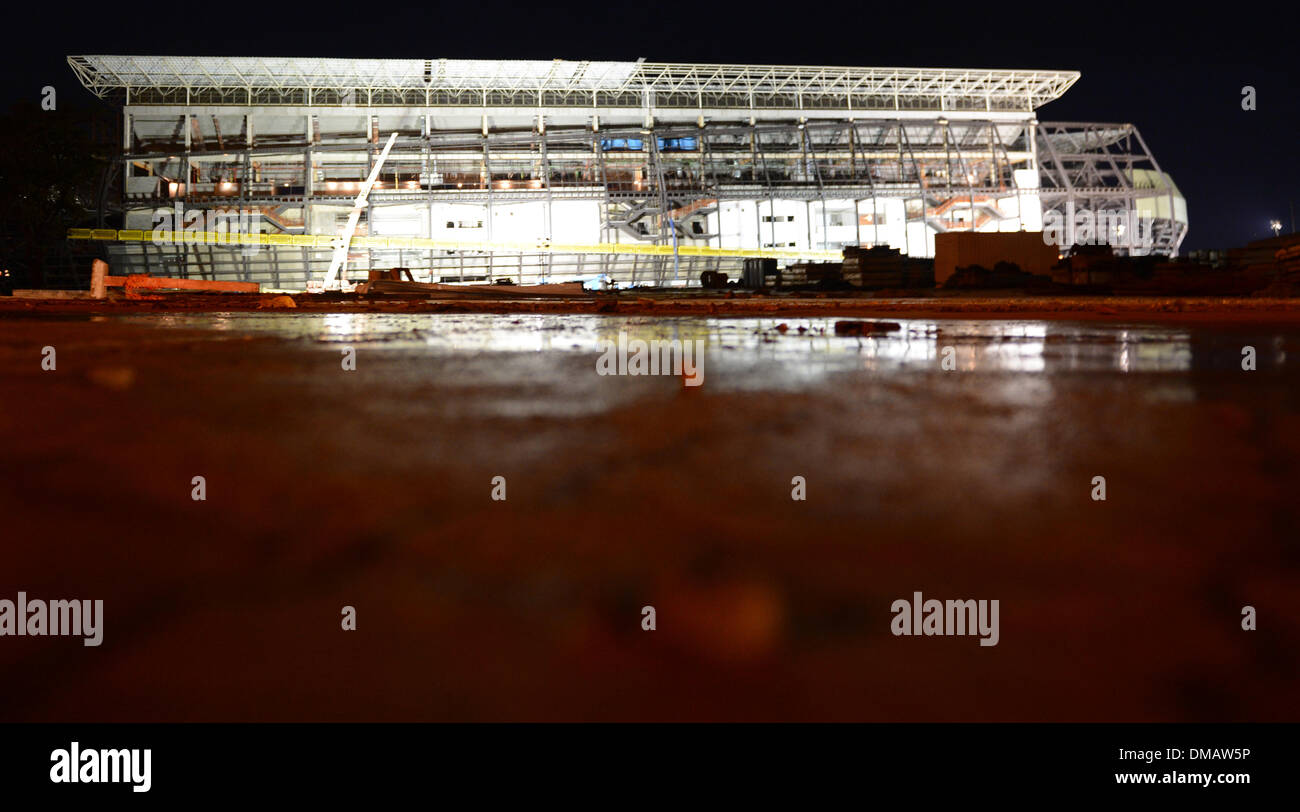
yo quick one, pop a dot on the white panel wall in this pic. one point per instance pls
(575, 221)
(519, 221)
(400, 221)
(736, 219)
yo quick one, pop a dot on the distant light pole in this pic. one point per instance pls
(1276, 225)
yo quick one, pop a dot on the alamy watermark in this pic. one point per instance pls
(179, 225)
(636, 356)
(74, 765)
(935, 617)
(1118, 229)
(39, 618)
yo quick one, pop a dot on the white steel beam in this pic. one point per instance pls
(340, 259)
(445, 82)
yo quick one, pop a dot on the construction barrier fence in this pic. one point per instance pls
(425, 244)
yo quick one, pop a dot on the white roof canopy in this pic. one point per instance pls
(462, 82)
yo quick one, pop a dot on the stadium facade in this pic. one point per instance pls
(646, 172)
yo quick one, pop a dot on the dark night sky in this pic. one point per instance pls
(1175, 75)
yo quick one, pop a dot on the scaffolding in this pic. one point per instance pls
(737, 159)
(1107, 169)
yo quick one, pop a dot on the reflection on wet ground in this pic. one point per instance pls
(763, 354)
(372, 488)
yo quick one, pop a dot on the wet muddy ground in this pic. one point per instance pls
(372, 488)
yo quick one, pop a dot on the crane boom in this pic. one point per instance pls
(340, 259)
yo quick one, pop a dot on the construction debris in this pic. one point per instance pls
(434, 290)
(713, 280)
(1003, 276)
(865, 328)
(135, 285)
(1263, 268)
(394, 274)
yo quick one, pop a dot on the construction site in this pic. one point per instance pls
(337, 337)
(307, 174)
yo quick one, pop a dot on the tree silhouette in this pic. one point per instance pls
(51, 167)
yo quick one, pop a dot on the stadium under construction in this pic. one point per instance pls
(257, 169)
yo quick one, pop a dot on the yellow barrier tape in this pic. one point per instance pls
(427, 244)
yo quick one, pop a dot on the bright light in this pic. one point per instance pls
(1276, 225)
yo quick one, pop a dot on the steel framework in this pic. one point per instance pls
(264, 81)
(658, 151)
(1108, 168)
(941, 168)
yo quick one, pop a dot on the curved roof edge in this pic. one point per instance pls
(306, 80)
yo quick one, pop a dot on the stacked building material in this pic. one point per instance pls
(881, 267)
(756, 271)
(1099, 268)
(1288, 263)
(1262, 252)
(813, 273)
(1286, 273)
(1259, 261)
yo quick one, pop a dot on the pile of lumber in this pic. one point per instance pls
(823, 274)
(882, 267)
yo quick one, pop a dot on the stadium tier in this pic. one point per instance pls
(648, 173)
